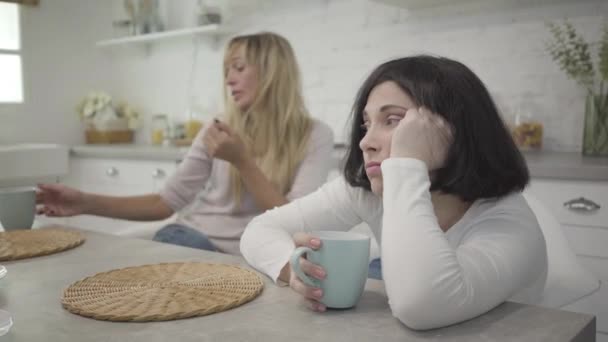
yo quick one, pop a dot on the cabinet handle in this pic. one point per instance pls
(159, 173)
(582, 204)
(112, 172)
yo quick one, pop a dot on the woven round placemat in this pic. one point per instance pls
(21, 244)
(162, 292)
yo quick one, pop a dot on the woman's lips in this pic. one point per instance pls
(373, 169)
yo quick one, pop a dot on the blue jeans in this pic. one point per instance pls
(375, 269)
(181, 235)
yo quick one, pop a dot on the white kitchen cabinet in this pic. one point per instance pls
(115, 177)
(581, 208)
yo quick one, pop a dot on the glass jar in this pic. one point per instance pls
(527, 131)
(193, 125)
(160, 129)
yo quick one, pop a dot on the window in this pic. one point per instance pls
(11, 83)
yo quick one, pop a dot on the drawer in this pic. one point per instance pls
(112, 171)
(597, 266)
(592, 241)
(553, 194)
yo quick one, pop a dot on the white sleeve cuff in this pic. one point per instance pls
(403, 166)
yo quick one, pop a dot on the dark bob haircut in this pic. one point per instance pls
(482, 162)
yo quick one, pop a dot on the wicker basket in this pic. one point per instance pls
(93, 136)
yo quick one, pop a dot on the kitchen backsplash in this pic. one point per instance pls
(337, 42)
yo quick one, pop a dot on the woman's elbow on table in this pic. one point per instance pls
(423, 309)
(413, 311)
(415, 319)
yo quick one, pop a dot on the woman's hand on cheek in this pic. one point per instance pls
(422, 135)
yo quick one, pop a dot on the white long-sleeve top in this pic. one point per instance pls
(495, 252)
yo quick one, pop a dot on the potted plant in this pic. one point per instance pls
(574, 56)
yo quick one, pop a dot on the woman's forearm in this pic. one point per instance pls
(266, 194)
(137, 208)
(285, 273)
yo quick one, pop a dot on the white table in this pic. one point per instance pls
(33, 287)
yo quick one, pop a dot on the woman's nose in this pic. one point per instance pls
(230, 79)
(368, 143)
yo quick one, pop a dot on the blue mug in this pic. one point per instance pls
(345, 258)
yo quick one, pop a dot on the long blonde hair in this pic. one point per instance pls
(277, 125)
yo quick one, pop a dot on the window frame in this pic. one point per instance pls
(17, 52)
(22, 2)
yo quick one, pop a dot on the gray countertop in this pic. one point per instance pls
(567, 165)
(544, 164)
(129, 151)
(32, 289)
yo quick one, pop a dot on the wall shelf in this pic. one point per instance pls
(430, 4)
(415, 4)
(209, 30)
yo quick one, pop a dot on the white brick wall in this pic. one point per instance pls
(339, 41)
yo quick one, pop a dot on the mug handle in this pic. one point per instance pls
(294, 261)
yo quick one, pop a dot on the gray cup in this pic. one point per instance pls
(345, 258)
(17, 207)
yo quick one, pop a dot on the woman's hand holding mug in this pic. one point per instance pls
(312, 293)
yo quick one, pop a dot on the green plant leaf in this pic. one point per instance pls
(603, 54)
(571, 52)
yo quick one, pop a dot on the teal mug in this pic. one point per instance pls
(17, 207)
(345, 258)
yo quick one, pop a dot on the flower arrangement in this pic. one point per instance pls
(93, 103)
(97, 109)
(574, 56)
(125, 110)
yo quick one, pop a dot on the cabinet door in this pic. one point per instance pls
(590, 246)
(586, 229)
(134, 177)
(583, 195)
(160, 173)
(590, 241)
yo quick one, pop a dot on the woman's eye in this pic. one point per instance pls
(364, 126)
(394, 119)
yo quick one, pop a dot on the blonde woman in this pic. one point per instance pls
(264, 152)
